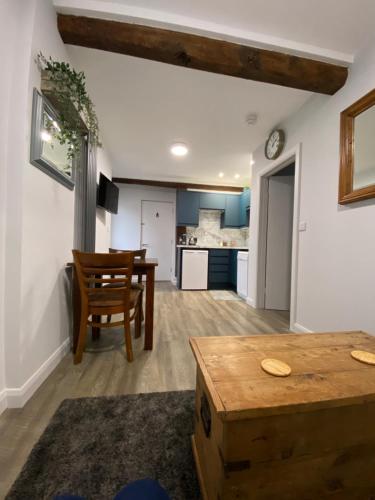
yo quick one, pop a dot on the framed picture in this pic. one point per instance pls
(46, 152)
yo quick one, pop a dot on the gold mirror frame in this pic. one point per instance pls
(346, 192)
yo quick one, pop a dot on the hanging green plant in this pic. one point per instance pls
(66, 89)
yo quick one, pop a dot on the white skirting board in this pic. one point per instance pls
(18, 397)
(297, 328)
(3, 400)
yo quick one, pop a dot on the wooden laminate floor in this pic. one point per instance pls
(170, 366)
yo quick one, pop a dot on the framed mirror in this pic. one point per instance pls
(357, 151)
(46, 152)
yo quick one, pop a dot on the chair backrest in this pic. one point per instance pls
(97, 269)
(140, 254)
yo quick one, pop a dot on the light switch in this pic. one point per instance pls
(302, 226)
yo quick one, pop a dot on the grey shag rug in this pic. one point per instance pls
(94, 446)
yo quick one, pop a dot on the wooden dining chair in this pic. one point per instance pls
(95, 271)
(138, 254)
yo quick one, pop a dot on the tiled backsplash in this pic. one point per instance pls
(210, 233)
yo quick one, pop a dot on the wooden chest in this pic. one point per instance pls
(310, 435)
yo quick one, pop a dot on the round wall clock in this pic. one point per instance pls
(274, 144)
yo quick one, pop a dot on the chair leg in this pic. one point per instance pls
(138, 321)
(128, 338)
(141, 312)
(109, 318)
(95, 331)
(81, 337)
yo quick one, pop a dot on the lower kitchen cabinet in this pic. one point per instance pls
(222, 268)
(221, 272)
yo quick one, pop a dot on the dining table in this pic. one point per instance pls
(142, 267)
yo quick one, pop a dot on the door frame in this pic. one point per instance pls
(261, 179)
(173, 253)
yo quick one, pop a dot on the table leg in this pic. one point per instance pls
(149, 312)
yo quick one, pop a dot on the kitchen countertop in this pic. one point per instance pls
(212, 247)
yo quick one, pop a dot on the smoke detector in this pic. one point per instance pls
(251, 118)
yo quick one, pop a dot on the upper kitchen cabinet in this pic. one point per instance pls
(212, 201)
(235, 207)
(246, 197)
(245, 208)
(188, 204)
(231, 215)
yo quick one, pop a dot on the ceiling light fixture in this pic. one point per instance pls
(179, 149)
(221, 174)
(237, 176)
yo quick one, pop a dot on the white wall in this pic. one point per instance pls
(36, 232)
(10, 15)
(103, 218)
(17, 22)
(126, 225)
(47, 229)
(336, 263)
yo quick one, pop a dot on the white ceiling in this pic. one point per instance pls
(325, 29)
(144, 106)
(340, 25)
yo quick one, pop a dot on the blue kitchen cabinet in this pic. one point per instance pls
(188, 203)
(246, 196)
(245, 208)
(222, 269)
(218, 269)
(212, 201)
(231, 215)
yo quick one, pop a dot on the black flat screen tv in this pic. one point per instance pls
(107, 197)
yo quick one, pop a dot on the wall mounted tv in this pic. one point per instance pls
(107, 197)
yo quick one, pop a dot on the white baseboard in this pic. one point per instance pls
(18, 397)
(3, 400)
(250, 302)
(297, 328)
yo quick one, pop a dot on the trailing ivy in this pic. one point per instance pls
(70, 88)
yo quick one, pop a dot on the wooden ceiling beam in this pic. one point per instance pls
(176, 185)
(202, 53)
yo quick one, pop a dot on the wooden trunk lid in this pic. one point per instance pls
(324, 374)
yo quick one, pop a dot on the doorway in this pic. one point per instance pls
(260, 228)
(157, 235)
(279, 236)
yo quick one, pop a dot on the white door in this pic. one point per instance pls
(157, 235)
(279, 242)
